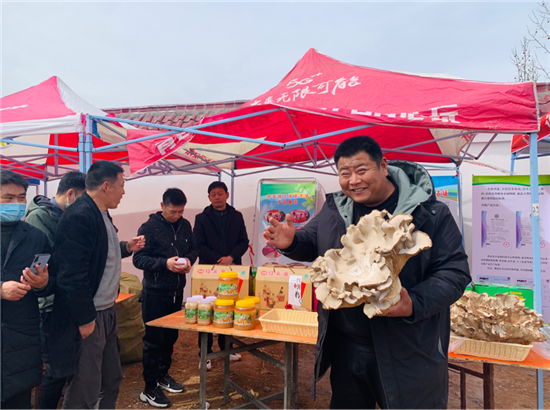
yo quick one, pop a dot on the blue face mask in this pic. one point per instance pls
(12, 212)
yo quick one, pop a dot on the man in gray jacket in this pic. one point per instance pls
(398, 360)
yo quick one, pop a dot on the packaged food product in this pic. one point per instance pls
(223, 313)
(228, 286)
(191, 310)
(204, 315)
(245, 314)
(257, 305)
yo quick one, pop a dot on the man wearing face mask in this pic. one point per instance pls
(44, 213)
(19, 289)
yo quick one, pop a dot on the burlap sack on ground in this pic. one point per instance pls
(130, 323)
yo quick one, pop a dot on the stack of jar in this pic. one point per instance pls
(198, 309)
(227, 310)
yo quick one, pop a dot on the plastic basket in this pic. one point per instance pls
(492, 350)
(290, 322)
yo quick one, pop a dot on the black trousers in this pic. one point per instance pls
(158, 343)
(52, 387)
(210, 342)
(355, 379)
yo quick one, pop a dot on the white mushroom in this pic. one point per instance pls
(500, 318)
(366, 269)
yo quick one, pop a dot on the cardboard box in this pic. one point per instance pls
(523, 292)
(276, 286)
(204, 279)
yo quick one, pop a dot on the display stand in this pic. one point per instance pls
(533, 361)
(289, 367)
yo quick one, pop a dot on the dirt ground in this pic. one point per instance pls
(515, 387)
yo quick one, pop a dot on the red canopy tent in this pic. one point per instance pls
(48, 119)
(322, 101)
(520, 142)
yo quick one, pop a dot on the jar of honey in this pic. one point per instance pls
(228, 286)
(191, 310)
(223, 313)
(257, 305)
(245, 315)
(204, 314)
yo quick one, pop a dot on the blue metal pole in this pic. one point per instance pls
(513, 163)
(81, 157)
(535, 226)
(88, 146)
(328, 134)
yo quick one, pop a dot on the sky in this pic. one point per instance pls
(128, 54)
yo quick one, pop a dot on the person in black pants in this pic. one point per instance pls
(168, 255)
(220, 234)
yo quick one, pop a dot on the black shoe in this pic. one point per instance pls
(155, 397)
(169, 384)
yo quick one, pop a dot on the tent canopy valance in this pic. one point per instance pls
(298, 123)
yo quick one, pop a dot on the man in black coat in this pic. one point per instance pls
(82, 340)
(220, 234)
(398, 360)
(166, 258)
(19, 289)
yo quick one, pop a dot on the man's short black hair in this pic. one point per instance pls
(13, 178)
(72, 180)
(100, 172)
(355, 145)
(174, 196)
(217, 184)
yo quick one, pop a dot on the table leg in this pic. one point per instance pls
(488, 388)
(288, 375)
(295, 354)
(226, 374)
(204, 353)
(462, 389)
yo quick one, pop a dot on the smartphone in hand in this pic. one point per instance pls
(39, 259)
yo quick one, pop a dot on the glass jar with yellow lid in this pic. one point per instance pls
(223, 313)
(228, 286)
(257, 305)
(245, 315)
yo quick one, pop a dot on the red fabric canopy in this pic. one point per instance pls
(321, 95)
(521, 141)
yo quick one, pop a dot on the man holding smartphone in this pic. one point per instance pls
(19, 289)
(44, 214)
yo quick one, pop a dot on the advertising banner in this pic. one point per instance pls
(276, 200)
(446, 190)
(501, 232)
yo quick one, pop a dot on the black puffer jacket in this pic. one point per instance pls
(21, 357)
(412, 351)
(163, 240)
(209, 239)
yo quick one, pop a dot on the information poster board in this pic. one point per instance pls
(277, 200)
(446, 190)
(501, 232)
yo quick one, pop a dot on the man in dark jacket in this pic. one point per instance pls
(82, 340)
(19, 288)
(166, 258)
(44, 213)
(221, 237)
(398, 360)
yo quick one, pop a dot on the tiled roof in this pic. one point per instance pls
(178, 115)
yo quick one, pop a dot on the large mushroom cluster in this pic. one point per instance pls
(366, 269)
(500, 318)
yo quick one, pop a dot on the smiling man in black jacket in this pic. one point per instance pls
(169, 242)
(396, 360)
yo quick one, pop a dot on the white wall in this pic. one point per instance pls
(143, 196)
